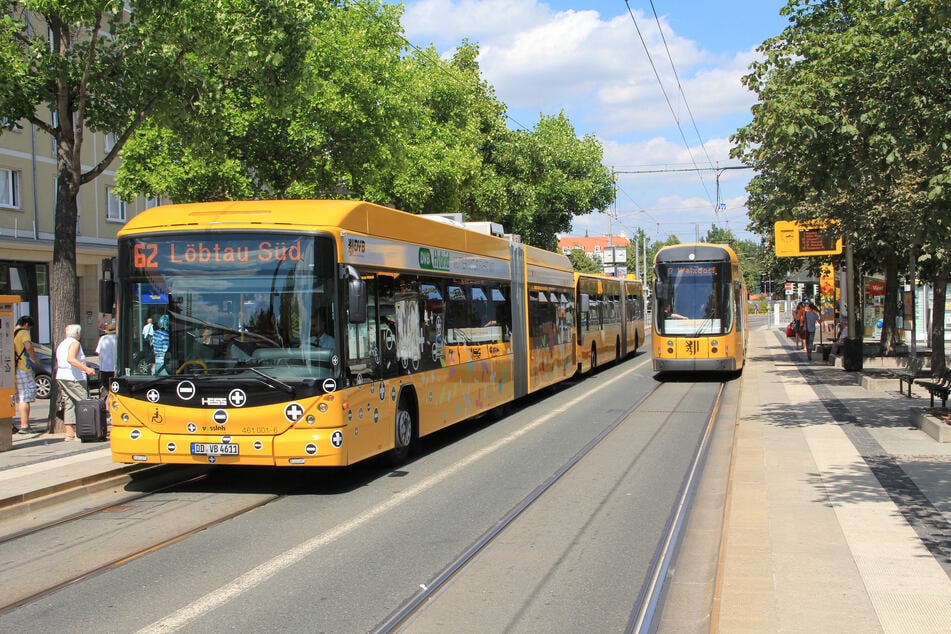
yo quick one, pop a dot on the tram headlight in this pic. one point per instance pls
(714, 346)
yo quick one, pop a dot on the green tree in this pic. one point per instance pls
(437, 158)
(851, 125)
(325, 131)
(584, 263)
(539, 180)
(76, 66)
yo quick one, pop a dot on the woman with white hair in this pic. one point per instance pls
(71, 373)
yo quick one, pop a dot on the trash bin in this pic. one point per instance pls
(852, 355)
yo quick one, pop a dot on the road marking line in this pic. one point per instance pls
(263, 572)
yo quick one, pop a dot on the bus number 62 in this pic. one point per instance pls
(143, 256)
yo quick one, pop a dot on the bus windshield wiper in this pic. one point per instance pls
(271, 381)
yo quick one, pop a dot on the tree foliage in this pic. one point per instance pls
(851, 125)
(76, 66)
(584, 263)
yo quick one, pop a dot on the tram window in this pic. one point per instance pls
(501, 315)
(432, 319)
(387, 293)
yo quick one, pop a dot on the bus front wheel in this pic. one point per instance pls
(405, 431)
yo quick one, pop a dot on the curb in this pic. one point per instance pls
(931, 425)
(54, 494)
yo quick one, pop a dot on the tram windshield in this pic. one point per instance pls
(226, 304)
(693, 298)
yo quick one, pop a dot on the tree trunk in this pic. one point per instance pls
(889, 336)
(64, 290)
(938, 362)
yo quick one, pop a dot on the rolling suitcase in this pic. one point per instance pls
(91, 420)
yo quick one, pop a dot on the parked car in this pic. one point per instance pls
(43, 372)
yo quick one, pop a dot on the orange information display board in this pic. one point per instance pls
(795, 239)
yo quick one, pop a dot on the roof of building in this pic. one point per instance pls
(588, 243)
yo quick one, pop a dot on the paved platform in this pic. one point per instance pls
(838, 509)
(41, 467)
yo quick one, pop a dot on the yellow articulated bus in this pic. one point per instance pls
(699, 309)
(610, 319)
(320, 333)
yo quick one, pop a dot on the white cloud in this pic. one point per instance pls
(593, 66)
(448, 22)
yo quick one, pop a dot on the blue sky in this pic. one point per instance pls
(586, 58)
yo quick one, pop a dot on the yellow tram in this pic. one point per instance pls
(699, 309)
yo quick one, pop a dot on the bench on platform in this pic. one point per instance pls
(939, 388)
(907, 371)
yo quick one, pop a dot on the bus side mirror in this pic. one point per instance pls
(356, 296)
(583, 304)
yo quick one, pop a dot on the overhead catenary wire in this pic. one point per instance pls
(680, 87)
(670, 105)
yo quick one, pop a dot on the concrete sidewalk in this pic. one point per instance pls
(838, 508)
(41, 466)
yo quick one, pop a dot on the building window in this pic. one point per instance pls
(115, 207)
(9, 188)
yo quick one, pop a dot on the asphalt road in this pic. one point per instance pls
(339, 550)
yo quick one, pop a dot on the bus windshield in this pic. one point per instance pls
(228, 303)
(693, 298)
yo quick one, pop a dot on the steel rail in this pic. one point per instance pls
(426, 592)
(645, 608)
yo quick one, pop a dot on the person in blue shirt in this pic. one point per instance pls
(160, 341)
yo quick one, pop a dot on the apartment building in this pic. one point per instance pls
(610, 251)
(27, 209)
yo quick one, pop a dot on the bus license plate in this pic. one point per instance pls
(210, 449)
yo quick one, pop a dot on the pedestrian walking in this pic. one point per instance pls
(810, 321)
(71, 373)
(23, 354)
(106, 349)
(800, 309)
(147, 331)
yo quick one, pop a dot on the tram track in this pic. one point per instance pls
(650, 595)
(81, 545)
(159, 482)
